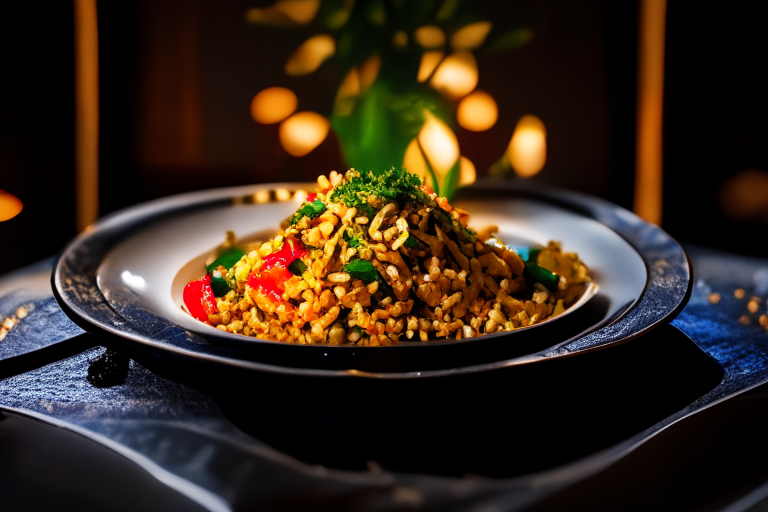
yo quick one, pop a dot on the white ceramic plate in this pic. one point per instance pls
(141, 258)
(153, 265)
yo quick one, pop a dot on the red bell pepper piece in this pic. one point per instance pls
(270, 278)
(199, 300)
(291, 250)
(270, 282)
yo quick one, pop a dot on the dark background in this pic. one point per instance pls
(177, 77)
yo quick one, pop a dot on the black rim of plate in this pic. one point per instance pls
(668, 287)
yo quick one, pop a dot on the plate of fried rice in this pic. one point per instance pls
(371, 274)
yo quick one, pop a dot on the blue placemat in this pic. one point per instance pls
(179, 434)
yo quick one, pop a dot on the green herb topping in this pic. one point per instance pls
(354, 236)
(311, 210)
(394, 185)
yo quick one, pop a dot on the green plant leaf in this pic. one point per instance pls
(510, 40)
(451, 183)
(311, 210)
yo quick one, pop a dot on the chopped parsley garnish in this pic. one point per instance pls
(352, 240)
(354, 235)
(394, 185)
(310, 210)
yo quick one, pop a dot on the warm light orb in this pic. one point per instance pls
(310, 55)
(439, 143)
(744, 196)
(429, 61)
(10, 206)
(303, 132)
(282, 194)
(400, 39)
(284, 13)
(457, 75)
(369, 71)
(300, 11)
(262, 196)
(467, 172)
(470, 36)
(350, 86)
(430, 36)
(414, 162)
(273, 104)
(300, 196)
(477, 111)
(527, 150)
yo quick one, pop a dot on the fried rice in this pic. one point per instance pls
(379, 259)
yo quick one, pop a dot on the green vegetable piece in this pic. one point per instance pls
(535, 272)
(226, 259)
(543, 276)
(411, 241)
(219, 286)
(448, 225)
(362, 269)
(297, 267)
(311, 210)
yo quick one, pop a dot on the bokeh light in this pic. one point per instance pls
(273, 104)
(429, 61)
(477, 111)
(262, 196)
(350, 86)
(414, 161)
(400, 39)
(744, 197)
(439, 143)
(369, 71)
(282, 194)
(303, 132)
(300, 11)
(284, 13)
(470, 36)
(430, 36)
(457, 75)
(527, 150)
(310, 55)
(300, 196)
(10, 206)
(467, 172)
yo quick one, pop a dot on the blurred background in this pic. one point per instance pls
(557, 92)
